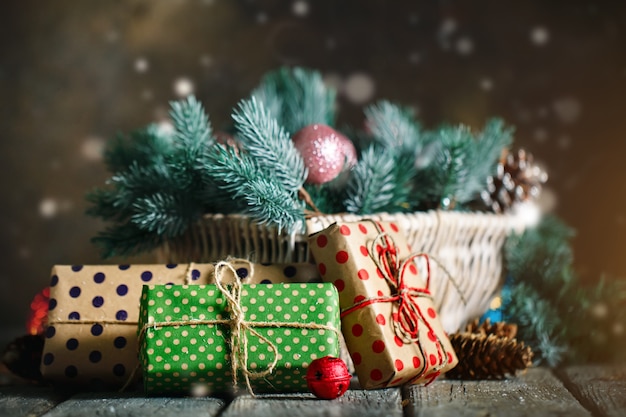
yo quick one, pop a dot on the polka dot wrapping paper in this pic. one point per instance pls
(300, 321)
(389, 323)
(94, 310)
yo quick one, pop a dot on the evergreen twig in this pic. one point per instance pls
(297, 97)
(372, 182)
(269, 144)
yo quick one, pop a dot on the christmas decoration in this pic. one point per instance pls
(556, 310)
(389, 322)
(23, 356)
(328, 377)
(164, 182)
(489, 351)
(517, 179)
(38, 312)
(325, 152)
(261, 337)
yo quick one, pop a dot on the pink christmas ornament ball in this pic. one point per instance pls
(325, 152)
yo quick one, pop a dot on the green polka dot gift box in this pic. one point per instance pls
(94, 309)
(390, 325)
(220, 338)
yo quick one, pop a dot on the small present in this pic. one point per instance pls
(92, 319)
(93, 312)
(215, 338)
(388, 319)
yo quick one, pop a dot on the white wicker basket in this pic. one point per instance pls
(466, 249)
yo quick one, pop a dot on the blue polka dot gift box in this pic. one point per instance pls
(93, 313)
(220, 338)
(92, 319)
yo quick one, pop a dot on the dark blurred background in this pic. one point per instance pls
(73, 73)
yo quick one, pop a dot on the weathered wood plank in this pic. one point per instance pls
(27, 400)
(135, 405)
(602, 389)
(355, 402)
(537, 392)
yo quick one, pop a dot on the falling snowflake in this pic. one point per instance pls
(183, 87)
(92, 148)
(565, 142)
(300, 8)
(359, 88)
(486, 84)
(206, 60)
(539, 35)
(465, 45)
(447, 28)
(141, 65)
(112, 36)
(567, 109)
(261, 18)
(48, 208)
(415, 58)
(147, 94)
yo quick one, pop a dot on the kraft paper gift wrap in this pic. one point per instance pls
(217, 338)
(389, 322)
(94, 310)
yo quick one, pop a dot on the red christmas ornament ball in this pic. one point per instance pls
(325, 152)
(38, 316)
(328, 377)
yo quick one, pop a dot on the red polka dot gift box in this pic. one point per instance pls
(390, 325)
(218, 338)
(93, 314)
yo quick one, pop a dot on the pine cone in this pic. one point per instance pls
(23, 356)
(500, 329)
(517, 179)
(489, 351)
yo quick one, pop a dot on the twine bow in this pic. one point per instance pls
(239, 330)
(384, 253)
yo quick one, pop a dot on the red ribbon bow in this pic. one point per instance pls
(408, 316)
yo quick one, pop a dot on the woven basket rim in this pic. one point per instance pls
(507, 221)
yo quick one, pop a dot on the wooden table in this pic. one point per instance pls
(574, 391)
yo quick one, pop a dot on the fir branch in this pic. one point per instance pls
(145, 146)
(442, 183)
(394, 127)
(328, 197)
(371, 185)
(193, 133)
(540, 325)
(253, 191)
(297, 97)
(269, 144)
(125, 240)
(103, 204)
(563, 318)
(270, 204)
(164, 214)
(542, 256)
(460, 165)
(193, 130)
(490, 143)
